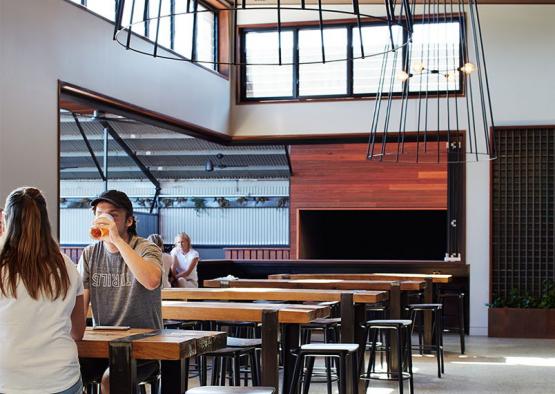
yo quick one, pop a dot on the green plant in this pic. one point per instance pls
(242, 200)
(200, 204)
(261, 200)
(515, 300)
(222, 202)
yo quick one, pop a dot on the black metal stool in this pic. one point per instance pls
(249, 343)
(345, 352)
(231, 390)
(225, 357)
(437, 338)
(330, 329)
(460, 315)
(153, 382)
(402, 329)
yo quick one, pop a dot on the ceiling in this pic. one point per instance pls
(164, 153)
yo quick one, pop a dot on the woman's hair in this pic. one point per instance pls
(157, 240)
(184, 236)
(30, 254)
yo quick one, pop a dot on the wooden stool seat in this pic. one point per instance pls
(243, 342)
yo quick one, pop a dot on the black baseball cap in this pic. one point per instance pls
(115, 197)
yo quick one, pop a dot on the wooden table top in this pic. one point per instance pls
(162, 345)
(436, 278)
(337, 284)
(239, 311)
(273, 294)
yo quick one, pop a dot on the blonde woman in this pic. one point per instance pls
(41, 303)
(184, 269)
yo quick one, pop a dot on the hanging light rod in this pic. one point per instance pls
(433, 102)
(131, 16)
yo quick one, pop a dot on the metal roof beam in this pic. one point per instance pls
(144, 169)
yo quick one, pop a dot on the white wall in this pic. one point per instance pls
(43, 41)
(520, 53)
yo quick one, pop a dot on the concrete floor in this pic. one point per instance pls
(490, 365)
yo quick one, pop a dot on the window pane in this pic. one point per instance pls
(269, 81)
(138, 25)
(435, 47)
(206, 40)
(164, 38)
(106, 8)
(366, 72)
(318, 78)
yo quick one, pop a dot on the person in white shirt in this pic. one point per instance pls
(184, 269)
(167, 259)
(41, 303)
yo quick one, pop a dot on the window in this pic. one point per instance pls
(328, 78)
(358, 77)
(206, 33)
(175, 31)
(269, 81)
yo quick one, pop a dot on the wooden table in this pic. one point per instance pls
(270, 315)
(436, 278)
(123, 348)
(348, 300)
(394, 287)
(432, 280)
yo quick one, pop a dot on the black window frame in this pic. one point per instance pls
(145, 34)
(350, 26)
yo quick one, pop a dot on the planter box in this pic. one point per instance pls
(521, 323)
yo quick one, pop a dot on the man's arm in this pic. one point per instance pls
(148, 274)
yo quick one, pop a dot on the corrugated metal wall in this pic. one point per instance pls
(213, 226)
(218, 226)
(188, 188)
(228, 226)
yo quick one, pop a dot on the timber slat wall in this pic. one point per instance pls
(73, 252)
(522, 209)
(338, 176)
(256, 253)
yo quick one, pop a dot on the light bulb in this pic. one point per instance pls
(418, 67)
(402, 76)
(468, 68)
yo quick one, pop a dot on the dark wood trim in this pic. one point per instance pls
(119, 107)
(304, 100)
(332, 138)
(58, 158)
(490, 297)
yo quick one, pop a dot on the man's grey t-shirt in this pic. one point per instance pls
(117, 298)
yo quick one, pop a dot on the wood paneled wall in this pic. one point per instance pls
(338, 176)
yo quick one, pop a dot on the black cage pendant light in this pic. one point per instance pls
(135, 18)
(433, 102)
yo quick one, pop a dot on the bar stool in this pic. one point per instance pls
(442, 297)
(249, 343)
(402, 329)
(330, 328)
(437, 338)
(153, 382)
(231, 390)
(231, 356)
(345, 352)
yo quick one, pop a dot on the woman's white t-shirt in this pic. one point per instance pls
(37, 352)
(184, 260)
